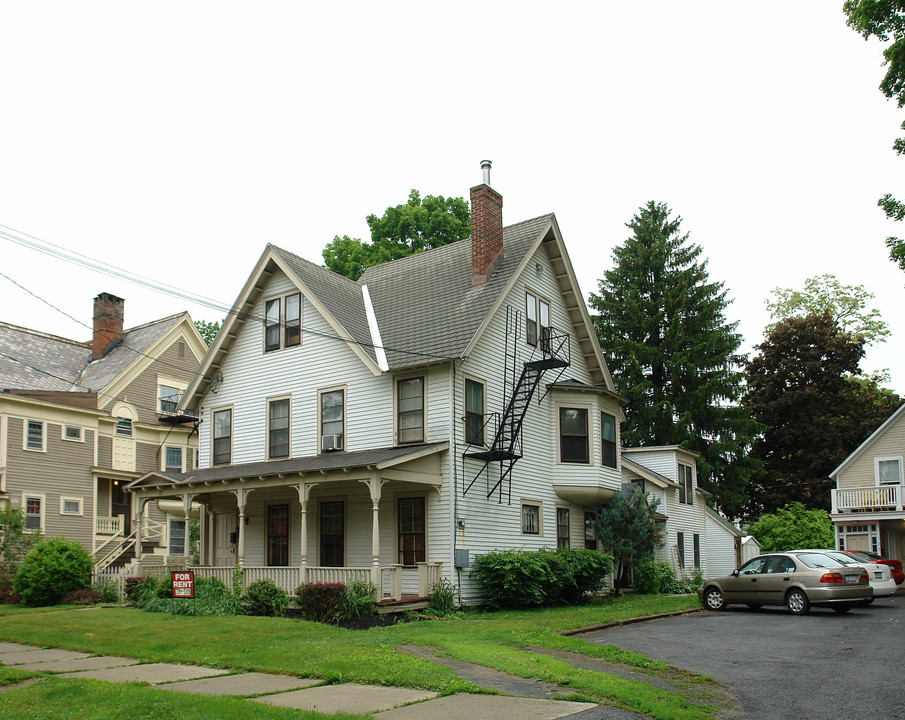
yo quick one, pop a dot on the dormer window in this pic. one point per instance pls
(283, 322)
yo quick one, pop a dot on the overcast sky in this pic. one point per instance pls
(175, 140)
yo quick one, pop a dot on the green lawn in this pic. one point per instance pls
(497, 640)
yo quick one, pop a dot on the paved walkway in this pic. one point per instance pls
(386, 703)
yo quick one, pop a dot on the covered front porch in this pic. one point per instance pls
(336, 517)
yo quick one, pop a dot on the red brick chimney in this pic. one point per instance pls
(108, 324)
(486, 229)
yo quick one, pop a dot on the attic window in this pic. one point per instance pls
(124, 427)
(537, 315)
(283, 322)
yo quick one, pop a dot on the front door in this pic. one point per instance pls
(224, 550)
(331, 534)
(278, 535)
(121, 504)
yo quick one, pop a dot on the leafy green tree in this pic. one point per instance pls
(803, 389)
(207, 330)
(416, 225)
(673, 354)
(885, 20)
(845, 304)
(628, 531)
(792, 527)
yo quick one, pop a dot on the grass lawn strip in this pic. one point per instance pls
(276, 645)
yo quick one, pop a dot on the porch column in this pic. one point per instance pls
(375, 485)
(211, 540)
(139, 527)
(241, 495)
(186, 544)
(304, 491)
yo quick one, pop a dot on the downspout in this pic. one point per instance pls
(455, 481)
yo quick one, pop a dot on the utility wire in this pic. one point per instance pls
(47, 248)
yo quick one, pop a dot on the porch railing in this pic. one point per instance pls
(871, 498)
(289, 578)
(109, 525)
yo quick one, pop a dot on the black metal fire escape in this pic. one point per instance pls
(520, 382)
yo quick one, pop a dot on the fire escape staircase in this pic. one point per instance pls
(521, 380)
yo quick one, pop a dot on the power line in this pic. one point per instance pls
(50, 249)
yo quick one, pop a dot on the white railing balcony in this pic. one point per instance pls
(109, 525)
(872, 498)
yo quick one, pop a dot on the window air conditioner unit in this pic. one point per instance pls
(330, 443)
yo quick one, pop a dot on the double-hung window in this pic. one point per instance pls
(530, 519)
(333, 420)
(590, 531)
(34, 435)
(888, 470)
(474, 412)
(222, 435)
(680, 546)
(537, 321)
(696, 542)
(283, 322)
(169, 398)
(686, 485)
(278, 428)
(562, 527)
(573, 435)
(411, 531)
(177, 537)
(608, 440)
(173, 459)
(410, 410)
(34, 512)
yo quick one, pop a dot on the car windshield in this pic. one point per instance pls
(818, 560)
(861, 555)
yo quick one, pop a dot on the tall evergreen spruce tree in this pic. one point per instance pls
(673, 355)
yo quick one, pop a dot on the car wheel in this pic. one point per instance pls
(713, 599)
(841, 609)
(755, 606)
(797, 602)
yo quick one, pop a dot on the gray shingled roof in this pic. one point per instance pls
(341, 296)
(30, 360)
(310, 464)
(425, 305)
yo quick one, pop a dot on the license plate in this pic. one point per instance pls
(878, 575)
(851, 578)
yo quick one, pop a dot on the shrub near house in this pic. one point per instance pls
(50, 570)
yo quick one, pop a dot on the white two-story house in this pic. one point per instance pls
(444, 405)
(868, 502)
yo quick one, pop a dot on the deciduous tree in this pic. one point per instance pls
(416, 225)
(673, 354)
(885, 20)
(804, 390)
(793, 526)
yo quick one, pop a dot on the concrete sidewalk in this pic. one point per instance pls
(387, 703)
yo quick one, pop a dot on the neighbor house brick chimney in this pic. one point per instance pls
(486, 229)
(108, 324)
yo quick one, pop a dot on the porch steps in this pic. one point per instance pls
(408, 602)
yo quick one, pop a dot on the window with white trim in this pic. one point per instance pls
(333, 420)
(607, 440)
(888, 470)
(283, 322)
(410, 410)
(530, 519)
(680, 546)
(222, 436)
(70, 506)
(686, 484)
(278, 416)
(34, 512)
(573, 435)
(173, 459)
(537, 321)
(169, 398)
(562, 527)
(177, 537)
(34, 435)
(474, 412)
(72, 433)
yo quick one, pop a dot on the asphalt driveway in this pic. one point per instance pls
(820, 666)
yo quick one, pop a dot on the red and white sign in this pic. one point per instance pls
(183, 584)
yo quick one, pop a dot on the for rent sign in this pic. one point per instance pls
(183, 584)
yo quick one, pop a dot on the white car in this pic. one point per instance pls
(880, 576)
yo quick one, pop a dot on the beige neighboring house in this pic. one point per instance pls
(868, 503)
(81, 420)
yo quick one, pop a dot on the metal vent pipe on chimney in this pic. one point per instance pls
(485, 166)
